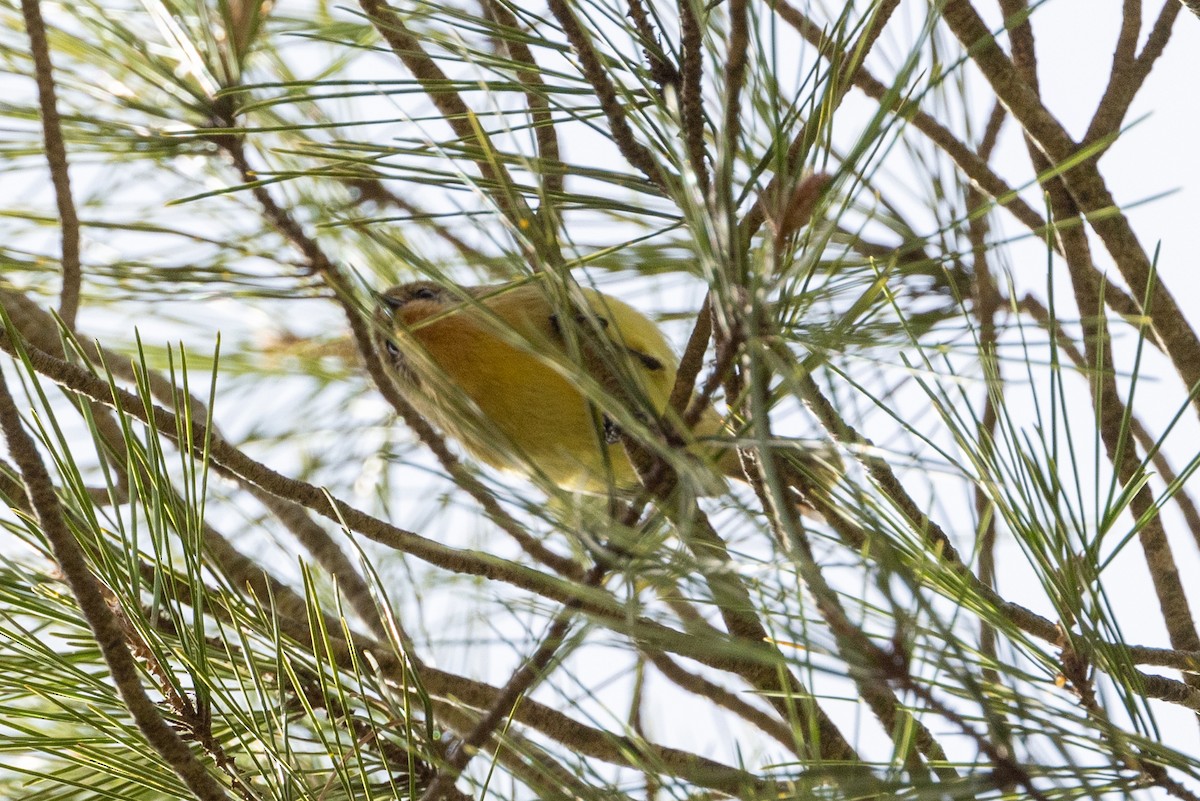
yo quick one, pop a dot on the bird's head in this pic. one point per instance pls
(398, 310)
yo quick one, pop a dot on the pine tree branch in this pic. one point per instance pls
(56, 157)
(106, 630)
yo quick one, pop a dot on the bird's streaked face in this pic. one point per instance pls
(399, 308)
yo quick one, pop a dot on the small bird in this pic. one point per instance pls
(531, 388)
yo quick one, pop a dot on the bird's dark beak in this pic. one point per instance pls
(386, 302)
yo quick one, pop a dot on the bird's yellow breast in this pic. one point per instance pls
(502, 375)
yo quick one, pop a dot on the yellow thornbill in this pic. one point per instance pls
(530, 388)
(525, 390)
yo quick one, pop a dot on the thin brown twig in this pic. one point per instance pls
(519, 683)
(1120, 89)
(691, 102)
(594, 72)
(637, 720)
(692, 360)
(662, 71)
(810, 131)
(1131, 28)
(1158, 776)
(409, 49)
(550, 169)
(991, 131)
(56, 157)
(1165, 657)
(1129, 73)
(736, 60)
(1021, 41)
(702, 687)
(987, 305)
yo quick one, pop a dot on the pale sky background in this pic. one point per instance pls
(1157, 155)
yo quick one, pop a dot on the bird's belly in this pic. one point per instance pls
(540, 420)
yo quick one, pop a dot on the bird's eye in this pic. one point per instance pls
(425, 293)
